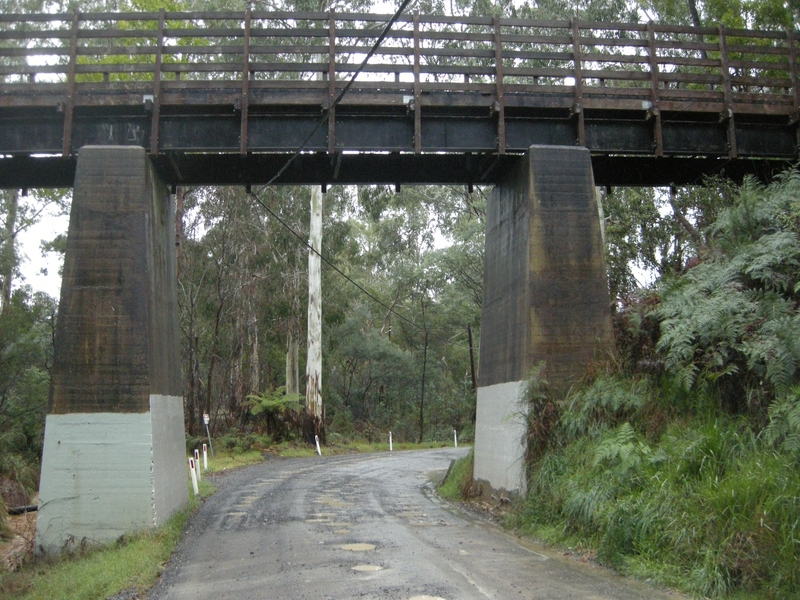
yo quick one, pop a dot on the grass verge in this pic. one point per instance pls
(458, 481)
(133, 562)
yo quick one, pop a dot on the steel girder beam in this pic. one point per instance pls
(388, 169)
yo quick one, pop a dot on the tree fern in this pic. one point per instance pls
(733, 320)
(783, 430)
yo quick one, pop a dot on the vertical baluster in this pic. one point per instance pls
(577, 107)
(655, 99)
(795, 77)
(417, 89)
(331, 81)
(69, 105)
(156, 117)
(248, 15)
(727, 113)
(500, 101)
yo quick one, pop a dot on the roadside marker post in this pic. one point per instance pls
(205, 457)
(390, 441)
(316, 439)
(197, 463)
(194, 477)
(206, 420)
(455, 437)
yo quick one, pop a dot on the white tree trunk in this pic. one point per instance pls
(314, 362)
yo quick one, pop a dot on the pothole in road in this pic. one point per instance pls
(367, 568)
(360, 547)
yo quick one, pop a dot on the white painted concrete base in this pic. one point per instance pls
(500, 431)
(107, 474)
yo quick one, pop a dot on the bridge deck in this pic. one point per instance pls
(224, 97)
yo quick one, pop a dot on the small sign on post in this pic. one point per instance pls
(390, 441)
(197, 463)
(194, 477)
(207, 420)
(205, 457)
(316, 439)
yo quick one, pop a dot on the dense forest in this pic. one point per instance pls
(675, 459)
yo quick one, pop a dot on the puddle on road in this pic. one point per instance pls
(367, 568)
(320, 520)
(360, 547)
(324, 515)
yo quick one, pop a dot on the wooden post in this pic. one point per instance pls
(70, 100)
(500, 102)
(417, 89)
(655, 109)
(790, 35)
(331, 81)
(577, 107)
(727, 113)
(154, 123)
(245, 81)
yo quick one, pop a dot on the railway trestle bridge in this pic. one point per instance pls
(124, 106)
(224, 97)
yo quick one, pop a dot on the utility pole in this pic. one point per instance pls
(315, 413)
(422, 391)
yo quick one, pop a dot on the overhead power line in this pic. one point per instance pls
(341, 95)
(333, 266)
(302, 146)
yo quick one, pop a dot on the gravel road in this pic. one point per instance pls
(368, 527)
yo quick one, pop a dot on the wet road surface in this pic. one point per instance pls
(366, 527)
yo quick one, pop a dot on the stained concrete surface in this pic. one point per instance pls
(500, 436)
(281, 531)
(114, 443)
(97, 478)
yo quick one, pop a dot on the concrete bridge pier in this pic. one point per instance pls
(114, 447)
(545, 298)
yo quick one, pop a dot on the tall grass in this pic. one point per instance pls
(699, 503)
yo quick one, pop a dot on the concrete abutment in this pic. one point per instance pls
(114, 449)
(545, 299)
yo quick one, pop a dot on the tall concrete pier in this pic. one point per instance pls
(545, 298)
(114, 449)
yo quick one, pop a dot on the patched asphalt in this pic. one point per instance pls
(364, 527)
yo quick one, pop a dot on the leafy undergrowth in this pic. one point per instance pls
(706, 507)
(134, 562)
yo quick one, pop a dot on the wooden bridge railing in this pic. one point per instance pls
(252, 58)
